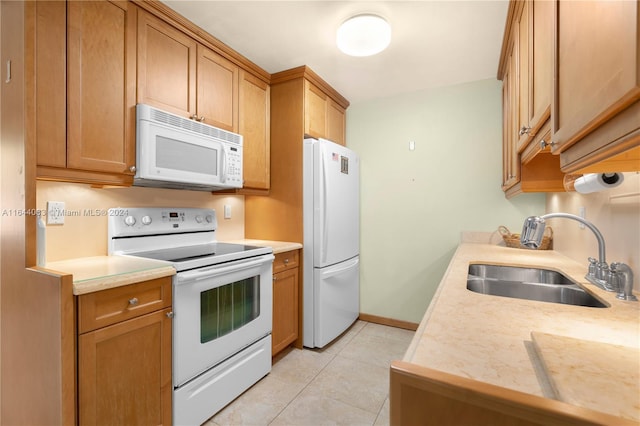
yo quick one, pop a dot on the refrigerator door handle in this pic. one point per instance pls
(325, 216)
(346, 267)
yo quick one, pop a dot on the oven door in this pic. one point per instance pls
(218, 311)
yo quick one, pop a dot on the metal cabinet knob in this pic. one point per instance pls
(525, 130)
(201, 119)
(133, 301)
(286, 261)
(544, 144)
(169, 314)
(132, 169)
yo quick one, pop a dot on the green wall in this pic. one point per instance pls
(414, 204)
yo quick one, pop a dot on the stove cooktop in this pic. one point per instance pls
(189, 257)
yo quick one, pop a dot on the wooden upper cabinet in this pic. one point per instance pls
(315, 111)
(511, 117)
(336, 123)
(596, 97)
(101, 86)
(166, 66)
(323, 117)
(535, 68)
(179, 75)
(217, 83)
(85, 91)
(254, 126)
(51, 83)
(526, 71)
(521, 76)
(540, 74)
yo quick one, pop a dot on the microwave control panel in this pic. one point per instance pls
(234, 165)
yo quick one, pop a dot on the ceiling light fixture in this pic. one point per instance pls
(364, 35)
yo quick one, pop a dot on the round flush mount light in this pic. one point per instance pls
(364, 35)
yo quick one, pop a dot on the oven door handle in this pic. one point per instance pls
(212, 271)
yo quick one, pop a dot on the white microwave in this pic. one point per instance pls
(176, 152)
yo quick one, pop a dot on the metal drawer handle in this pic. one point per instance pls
(133, 301)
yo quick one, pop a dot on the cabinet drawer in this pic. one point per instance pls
(286, 260)
(102, 308)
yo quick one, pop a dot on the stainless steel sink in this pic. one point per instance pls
(542, 285)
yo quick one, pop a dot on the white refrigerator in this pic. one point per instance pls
(331, 262)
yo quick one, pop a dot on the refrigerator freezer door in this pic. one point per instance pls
(336, 204)
(336, 300)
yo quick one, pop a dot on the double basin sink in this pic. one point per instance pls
(543, 285)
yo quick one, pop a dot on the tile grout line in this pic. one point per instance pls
(333, 357)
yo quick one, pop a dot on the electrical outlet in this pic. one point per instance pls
(227, 211)
(582, 212)
(55, 213)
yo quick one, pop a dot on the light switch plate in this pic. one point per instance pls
(227, 211)
(55, 213)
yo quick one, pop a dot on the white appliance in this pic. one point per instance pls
(222, 304)
(175, 152)
(331, 218)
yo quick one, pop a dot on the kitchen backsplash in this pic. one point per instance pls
(84, 232)
(616, 214)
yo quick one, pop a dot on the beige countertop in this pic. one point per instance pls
(103, 272)
(489, 338)
(278, 246)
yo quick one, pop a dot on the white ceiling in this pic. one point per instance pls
(434, 43)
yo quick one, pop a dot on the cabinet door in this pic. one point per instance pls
(510, 121)
(124, 372)
(315, 111)
(285, 309)
(217, 102)
(521, 76)
(166, 67)
(101, 86)
(254, 117)
(597, 67)
(336, 123)
(541, 66)
(51, 83)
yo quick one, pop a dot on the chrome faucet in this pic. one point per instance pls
(619, 278)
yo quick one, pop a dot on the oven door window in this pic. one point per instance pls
(229, 307)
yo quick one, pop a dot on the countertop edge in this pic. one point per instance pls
(120, 280)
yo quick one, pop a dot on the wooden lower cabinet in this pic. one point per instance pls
(124, 369)
(285, 300)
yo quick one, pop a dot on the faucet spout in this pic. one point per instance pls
(533, 230)
(591, 226)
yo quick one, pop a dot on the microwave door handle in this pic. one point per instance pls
(223, 156)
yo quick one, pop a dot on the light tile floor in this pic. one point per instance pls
(345, 383)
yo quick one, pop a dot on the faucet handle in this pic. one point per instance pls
(613, 278)
(602, 270)
(592, 266)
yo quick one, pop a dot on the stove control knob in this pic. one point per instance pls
(146, 220)
(199, 219)
(130, 220)
(209, 218)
